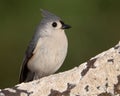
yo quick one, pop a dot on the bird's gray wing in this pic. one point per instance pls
(25, 74)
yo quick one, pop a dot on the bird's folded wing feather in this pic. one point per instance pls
(25, 72)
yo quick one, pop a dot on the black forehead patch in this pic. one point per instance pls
(62, 22)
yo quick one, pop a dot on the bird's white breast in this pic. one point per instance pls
(49, 54)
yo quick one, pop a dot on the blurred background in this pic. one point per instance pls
(95, 28)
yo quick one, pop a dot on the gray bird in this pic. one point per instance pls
(47, 49)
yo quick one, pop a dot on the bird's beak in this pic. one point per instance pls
(65, 26)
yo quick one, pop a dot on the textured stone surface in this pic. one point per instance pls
(99, 76)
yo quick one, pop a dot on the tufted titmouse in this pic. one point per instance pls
(47, 49)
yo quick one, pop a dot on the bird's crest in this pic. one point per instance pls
(48, 15)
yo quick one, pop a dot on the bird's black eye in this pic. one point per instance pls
(54, 24)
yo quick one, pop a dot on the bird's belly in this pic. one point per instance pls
(48, 60)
